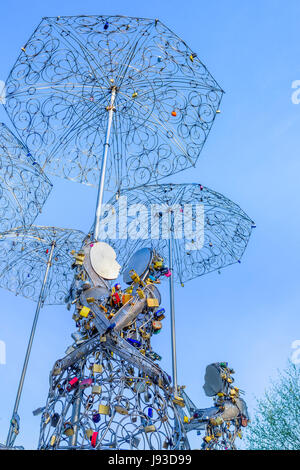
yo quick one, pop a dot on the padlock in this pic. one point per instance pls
(178, 401)
(151, 303)
(160, 314)
(102, 339)
(85, 383)
(89, 433)
(150, 412)
(104, 409)
(54, 419)
(84, 312)
(116, 298)
(126, 298)
(156, 325)
(52, 441)
(134, 276)
(94, 439)
(56, 371)
(68, 429)
(72, 384)
(185, 419)
(97, 368)
(121, 410)
(96, 417)
(134, 95)
(173, 113)
(150, 428)
(90, 300)
(140, 293)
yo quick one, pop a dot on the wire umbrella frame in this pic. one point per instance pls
(24, 254)
(224, 228)
(35, 262)
(75, 71)
(24, 187)
(193, 228)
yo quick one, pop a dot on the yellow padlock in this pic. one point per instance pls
(152, 303)
(52, 440)
(104, 409)
(179, 401)
(84, 312)
(140, 293)
(150, 428)
(97, 368)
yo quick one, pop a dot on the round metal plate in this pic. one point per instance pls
(103, 260)
(140, 262)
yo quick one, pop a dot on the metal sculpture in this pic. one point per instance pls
(108, 392)
(24, 187)
(127, 88)
(224, 421)
(195, 230)
(35, 263)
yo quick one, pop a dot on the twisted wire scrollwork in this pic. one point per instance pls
(60, 86)
(23, 186)
(24, 254)
(226, 228)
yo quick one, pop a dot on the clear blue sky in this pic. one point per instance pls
(248, 315)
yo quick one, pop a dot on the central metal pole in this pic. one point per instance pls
(110, 110)
(172, 303)
(10, 437)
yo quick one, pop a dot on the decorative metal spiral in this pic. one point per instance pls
(24, 256)
(60, 86)
(24, 188)
(121, 408)
(225, 228)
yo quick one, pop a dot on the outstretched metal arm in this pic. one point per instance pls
(14, 424)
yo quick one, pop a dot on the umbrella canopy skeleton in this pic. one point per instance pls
(126, 88)
(24, 188)
(35, 262)
(195, 229)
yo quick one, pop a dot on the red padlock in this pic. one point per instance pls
(116, 298)
(94, 439)
(72, 384)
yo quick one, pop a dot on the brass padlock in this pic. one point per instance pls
(121, 410)
(96, 389)
(150, 428)
(104, 409)
(97, 368)
(179, 401)
(152, 303)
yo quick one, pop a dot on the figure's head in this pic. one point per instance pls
(103, 260)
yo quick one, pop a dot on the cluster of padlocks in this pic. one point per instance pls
(109, 392)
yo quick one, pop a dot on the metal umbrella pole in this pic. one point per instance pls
(172, 302)
(110, 110)
(10, 437)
